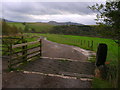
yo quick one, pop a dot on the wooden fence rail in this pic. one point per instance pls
(24, 44)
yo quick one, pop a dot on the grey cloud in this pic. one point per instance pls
(79, 8)
(49, 8)
(19, 11)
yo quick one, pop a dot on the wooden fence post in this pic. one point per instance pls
(92, 45)
(84, 44)
(88, 44)
(10, 54)
(24, 52)
(40, 47)
(81, 42)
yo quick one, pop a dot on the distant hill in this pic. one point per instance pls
(9, 20)
(50, 22)
(6, 20)
(63, 23)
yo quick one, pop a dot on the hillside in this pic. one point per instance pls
(67, 28)
(63, 23)
(38, 27)
(17, 24)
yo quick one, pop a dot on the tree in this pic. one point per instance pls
(20, 30)
(4, 28)
(26, 29)
(33, 30)
(24, 23)
(9, 30)
(108, 18)
(14, 30)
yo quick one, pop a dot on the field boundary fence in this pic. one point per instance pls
(85, 44)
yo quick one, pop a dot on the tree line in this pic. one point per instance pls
(10, 30)
(74, 30)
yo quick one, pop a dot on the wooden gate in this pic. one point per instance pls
(21, 51)
(25, 54)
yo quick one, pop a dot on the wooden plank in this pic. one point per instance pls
(33, 52)
(11, 38)
(34, 55)
(24, 44)
(26, 49)
(20, 57)
(24, 60)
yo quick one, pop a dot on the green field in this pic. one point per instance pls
(16, 24)
(44, 27)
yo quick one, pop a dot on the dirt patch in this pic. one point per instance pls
(23, 80)
(56, 66)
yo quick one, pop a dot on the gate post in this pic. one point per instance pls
(101, 69)
(10, 54)
(24, 51)
(40, 47)
(101, 54)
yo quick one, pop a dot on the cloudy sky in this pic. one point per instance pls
(49, 11)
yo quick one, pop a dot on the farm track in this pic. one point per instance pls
(74, 71)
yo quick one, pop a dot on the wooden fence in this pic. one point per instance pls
(87, 44)
(19, 51)
(25, 54)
